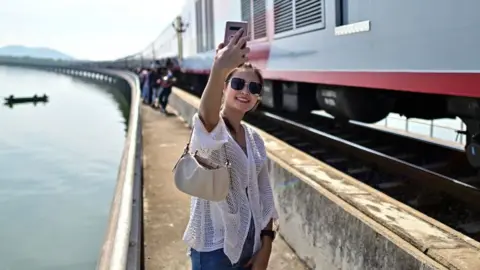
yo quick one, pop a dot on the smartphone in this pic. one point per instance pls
(233, 27)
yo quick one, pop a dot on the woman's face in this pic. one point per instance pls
(242, 90)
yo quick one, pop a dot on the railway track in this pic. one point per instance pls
(436, 180)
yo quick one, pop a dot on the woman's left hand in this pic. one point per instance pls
(260, 260)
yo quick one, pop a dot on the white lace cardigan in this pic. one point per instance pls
(225, 224)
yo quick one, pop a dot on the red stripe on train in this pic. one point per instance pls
(455, 84)
(259, 54)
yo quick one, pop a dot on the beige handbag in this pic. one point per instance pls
(200, 177)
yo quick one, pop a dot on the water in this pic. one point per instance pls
(58, 165)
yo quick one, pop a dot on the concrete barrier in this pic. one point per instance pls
(333, 221)
(123, 244)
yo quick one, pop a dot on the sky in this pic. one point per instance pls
(86, 29)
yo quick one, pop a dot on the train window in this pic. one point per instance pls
(301, 15)
(349, 19)
(246, 7)
(259, 19)
(204, 21)
(341, 7)
(246, 10)
(308, 12)
(258, 22)
(283, 13)
(209, 26)
(199, 24)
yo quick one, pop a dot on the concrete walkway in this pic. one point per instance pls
(166, 210)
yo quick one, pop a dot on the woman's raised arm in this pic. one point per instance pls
(227, 58)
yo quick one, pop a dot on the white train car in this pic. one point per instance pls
(166, 45)
(356, 60)
(204, 26)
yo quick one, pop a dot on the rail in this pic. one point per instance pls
(462, 191)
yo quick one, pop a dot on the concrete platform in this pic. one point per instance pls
(166, 210)
(334, 221)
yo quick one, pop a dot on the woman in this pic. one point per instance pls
(167, 82)
(157, 86)
(235, 233)
(145, 85)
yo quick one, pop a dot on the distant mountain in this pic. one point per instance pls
(34, 52)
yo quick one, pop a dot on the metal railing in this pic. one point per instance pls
(433, 129)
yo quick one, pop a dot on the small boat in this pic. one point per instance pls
(17, 100)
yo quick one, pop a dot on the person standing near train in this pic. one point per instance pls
(234, 233)
(155, 86)
(145, 83)
(167, 82)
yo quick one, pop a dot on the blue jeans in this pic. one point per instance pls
(217, 260)
(156, 94)
(146, 93)
(163, 97)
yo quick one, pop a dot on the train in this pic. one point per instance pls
(356, 60)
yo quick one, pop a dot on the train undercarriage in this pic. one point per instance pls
(364, 105)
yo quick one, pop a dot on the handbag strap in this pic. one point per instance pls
(187, 147)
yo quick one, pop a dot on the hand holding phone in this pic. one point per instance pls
(233, 27)
(233, 52)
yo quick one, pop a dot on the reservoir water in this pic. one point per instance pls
(58, 169)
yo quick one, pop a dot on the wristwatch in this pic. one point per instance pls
(269, 233)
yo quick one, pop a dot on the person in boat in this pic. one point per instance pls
(235, 233)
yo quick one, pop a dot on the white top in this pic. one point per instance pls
(225, 224)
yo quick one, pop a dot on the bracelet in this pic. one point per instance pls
(269, 233)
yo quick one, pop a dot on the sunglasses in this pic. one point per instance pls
(253, 87)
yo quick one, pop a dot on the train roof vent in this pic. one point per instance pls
(259, 19)
(308, 12)
(283, 13)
